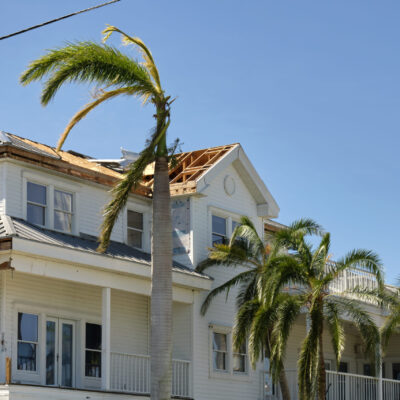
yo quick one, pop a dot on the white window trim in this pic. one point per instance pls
(51, 185)
(145, 210)
(97, 378)
(228, 374)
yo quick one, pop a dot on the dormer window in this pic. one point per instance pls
(63, 211)
(135, 229)
(36, 203)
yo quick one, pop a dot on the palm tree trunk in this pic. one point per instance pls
(321, 369)
(161, 285)
(285, 391)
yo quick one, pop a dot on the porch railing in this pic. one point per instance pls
(131, 373)
(339, 386)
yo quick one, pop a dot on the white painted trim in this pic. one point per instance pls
(106, 339)
(95, 261)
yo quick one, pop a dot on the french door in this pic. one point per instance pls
(60, 352)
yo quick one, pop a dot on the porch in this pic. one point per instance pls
(72, 338)
(339, 386)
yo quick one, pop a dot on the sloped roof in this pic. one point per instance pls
(189, 166)
(15, 227)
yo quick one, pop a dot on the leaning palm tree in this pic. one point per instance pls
(313, 273)
(247, 249)
(119, 74)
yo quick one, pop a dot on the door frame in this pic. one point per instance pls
(58, 346)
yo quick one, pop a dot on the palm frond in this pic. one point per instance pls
(131, 90)
(88, 62)
(238, 279)
(146, 53)
(336, 329)
(120, 192)
(391, 326)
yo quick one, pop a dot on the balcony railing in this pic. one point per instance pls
(339, 386)
(131, 373)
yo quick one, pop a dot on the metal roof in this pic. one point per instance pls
(16, 227)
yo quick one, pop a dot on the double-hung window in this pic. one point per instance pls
(93, 351)
(135, 229)
(63, 211)
(27, 346)
(220, 351)
(219, 235)
(36, 203)
(240, 359)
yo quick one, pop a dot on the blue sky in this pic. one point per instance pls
(310, 89)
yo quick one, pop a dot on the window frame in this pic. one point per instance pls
(245, 356)
(225, 237)
(85, 349)
(226, 352)
(44, 206)
(72, 213)
(229, 373)
(135, 229)
(36, 371)
(51, 185)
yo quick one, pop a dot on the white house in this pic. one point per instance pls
(74, 323)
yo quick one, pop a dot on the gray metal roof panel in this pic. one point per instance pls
(24, 230)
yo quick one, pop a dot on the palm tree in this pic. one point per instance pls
(247, 249)
(313, 273)
(88, 62)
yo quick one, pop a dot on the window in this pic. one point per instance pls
(235, 224)
(36, 203)
(27, 341)
(63, 211)
(396, 371)
(93, 351)
(218, 230)
(240, 359)
(220, 351)
(135, 229)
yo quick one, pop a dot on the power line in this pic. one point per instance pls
(57, 19)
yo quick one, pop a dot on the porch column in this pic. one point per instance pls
(105, 338)
(380, 376)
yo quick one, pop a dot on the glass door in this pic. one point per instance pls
(60, 352)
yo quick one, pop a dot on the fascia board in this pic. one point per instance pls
(105, 263)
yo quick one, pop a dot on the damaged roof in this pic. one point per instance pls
(189, 166)
(15, 227)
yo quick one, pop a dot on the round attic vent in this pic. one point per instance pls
(229, 185)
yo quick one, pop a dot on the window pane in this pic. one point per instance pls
(35, 214)
(218, 239)
(219, 225)
(219, 342)
(239, 363)
(135, 220)
(50, 352)
(93, 336)
(66, 355)
(36, 193)
(93, 363)
(26, 356)
(62, 221)
(234, 225)
(219, 360)
(27, 327)
(135, 238)
(62, 201)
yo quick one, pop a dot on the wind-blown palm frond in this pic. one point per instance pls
(130, 90)
(146, 53)
(88, 62)
(243, 277)
(336, 329)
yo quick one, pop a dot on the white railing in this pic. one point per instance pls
(339, 386)
(131, 373)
